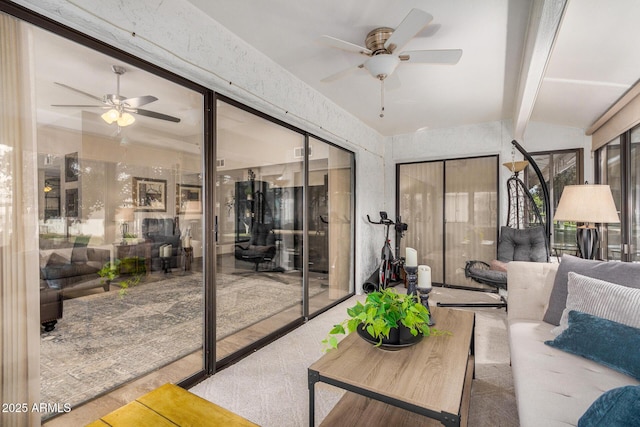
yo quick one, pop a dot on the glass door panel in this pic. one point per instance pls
(611, 174)
(259, 211)
(120, 223)
(330, 206)
(421, 194)
(634, 175)
(470, 215)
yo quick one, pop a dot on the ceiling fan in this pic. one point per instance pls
(120, 108)
(384, 49)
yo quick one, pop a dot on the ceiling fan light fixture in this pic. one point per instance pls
(382, 65)
(126, 119)
(110, 116)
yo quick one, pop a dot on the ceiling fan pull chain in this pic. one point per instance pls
(381, 98)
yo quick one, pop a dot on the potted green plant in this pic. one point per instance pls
(384, 314)
(111, 270)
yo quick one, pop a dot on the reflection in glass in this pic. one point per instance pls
(120, 225)
(330, 205)
(259, 210)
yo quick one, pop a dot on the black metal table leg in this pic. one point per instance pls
(313, 379)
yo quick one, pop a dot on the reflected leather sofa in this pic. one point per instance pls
(67, 268)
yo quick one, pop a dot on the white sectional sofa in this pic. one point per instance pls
(553, 388)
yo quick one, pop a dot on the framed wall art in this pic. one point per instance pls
(188, 199)
(72, 208)
(71, 167)
(150, 195)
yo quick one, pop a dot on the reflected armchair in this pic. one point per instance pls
(260, 248)
(159, 232)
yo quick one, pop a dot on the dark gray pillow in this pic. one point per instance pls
(620, 273)
(528, 244)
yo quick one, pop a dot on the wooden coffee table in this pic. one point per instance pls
(430, 379)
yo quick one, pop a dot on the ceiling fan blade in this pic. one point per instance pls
(153, 114)
(340, 74)
(415, 21)
(343, 45)
(79, 106)
(79, 91)
(444, 56)
(139, 101)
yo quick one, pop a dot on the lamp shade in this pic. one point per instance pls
(124, 214)
(587, 203)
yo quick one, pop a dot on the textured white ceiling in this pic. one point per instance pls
(475, 90)
(593, 62)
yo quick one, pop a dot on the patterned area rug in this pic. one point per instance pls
(105, 340)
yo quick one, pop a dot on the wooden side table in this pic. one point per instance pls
(140, 251)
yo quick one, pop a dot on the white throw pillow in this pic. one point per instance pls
(602, 299)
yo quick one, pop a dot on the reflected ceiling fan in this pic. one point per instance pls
(384, 50)
(120, 108)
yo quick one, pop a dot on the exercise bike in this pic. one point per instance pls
(390, 266)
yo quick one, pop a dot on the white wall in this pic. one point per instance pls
(178, 37)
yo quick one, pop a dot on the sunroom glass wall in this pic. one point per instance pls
(259, 212)
(119, 209)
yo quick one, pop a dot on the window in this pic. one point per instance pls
(618, 165)
(559, 168)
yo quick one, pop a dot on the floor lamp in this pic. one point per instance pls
(588, 204)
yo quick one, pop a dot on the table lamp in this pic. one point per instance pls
(588, 204)
(124, 215)
(192, 212)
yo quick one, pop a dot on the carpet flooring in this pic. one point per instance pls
(269, 387)
(105, 340)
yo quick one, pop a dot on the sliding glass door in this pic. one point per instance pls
(273, 267)
(259, 211)
(330, 233)
(109, 197)
(619, 166)
(421, 199)
(451, 210)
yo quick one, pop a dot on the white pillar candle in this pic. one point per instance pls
(424, 276)
(411, 258)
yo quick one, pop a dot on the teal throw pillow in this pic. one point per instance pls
(619, 407)
(601, 340)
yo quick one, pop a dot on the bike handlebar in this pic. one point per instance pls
(381, 222)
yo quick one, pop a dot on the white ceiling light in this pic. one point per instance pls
(382, 65)
(123, 119)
